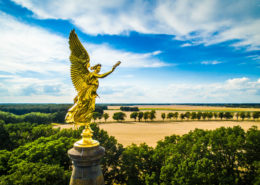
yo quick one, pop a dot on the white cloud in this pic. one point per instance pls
(156, 52)
(205, 21)
(237, 81)
(212, 21)
(35, 62)
(236, 90)
(239, 90)
(214, 62)
(106, 56)
(17, 85)
(29, 48)
(125, 90)
(186, 45)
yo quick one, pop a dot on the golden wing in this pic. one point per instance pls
(79, 59)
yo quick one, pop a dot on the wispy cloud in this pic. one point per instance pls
(201, 22)
(214, 62)
(254, 57)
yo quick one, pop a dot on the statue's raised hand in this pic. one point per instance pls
(117, 64)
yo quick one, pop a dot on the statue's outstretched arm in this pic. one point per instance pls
(105, 74)
(109, 72)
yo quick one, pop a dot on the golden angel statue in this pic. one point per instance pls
(86, 85)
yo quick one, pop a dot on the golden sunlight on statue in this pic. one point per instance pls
(86, 84)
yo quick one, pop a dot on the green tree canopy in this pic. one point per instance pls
(152, 115)
(175, 115)
(146, 115)
(256, 115)
(119, 116)
(170, 115)
(134, 115)
(193, 115)
(221, 115)
(96, 115)
(163, 116)
(106, 116)
(228, 115)
(187, 115)
(140, 116)
(36, 173)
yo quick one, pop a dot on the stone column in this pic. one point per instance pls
(86, 168)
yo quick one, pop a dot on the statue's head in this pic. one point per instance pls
(96, 68)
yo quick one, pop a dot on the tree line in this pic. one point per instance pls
(20, 109)
(151, 115)
(33, 117)
(212, 115)
(120, 116)
(237, 105)
(41, 117)
(129, 109)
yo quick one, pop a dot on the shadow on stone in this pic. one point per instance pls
(86, 165)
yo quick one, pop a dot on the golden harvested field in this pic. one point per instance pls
(150, 133)
(187, 108)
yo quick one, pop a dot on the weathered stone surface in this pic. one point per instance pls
(86, 168)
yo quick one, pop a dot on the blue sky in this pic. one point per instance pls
(172, 51)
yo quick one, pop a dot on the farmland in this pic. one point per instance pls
(130, 131)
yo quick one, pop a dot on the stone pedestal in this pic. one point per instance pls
(86, 168)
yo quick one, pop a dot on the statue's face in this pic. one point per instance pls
(98, 69)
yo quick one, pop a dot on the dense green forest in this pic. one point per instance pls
(241, 105)
(129, 109)
(38, 113)
(34, 153)
(20, 109)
